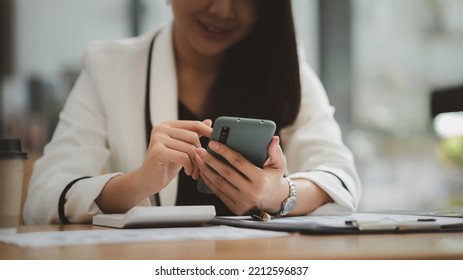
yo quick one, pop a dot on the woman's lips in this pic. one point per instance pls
(213, 32)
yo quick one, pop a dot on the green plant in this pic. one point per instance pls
(451, 151)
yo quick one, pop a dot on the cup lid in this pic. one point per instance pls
(11, 148)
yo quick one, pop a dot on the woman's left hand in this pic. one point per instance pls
(245, 187)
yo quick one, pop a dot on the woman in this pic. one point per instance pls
(217, 57)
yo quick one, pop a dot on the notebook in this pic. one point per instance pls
(357, 223)
(159, 216)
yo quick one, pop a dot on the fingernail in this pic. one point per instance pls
(197, 158)
(200, 152)
(214, 145)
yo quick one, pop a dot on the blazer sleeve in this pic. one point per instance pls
(78, 148)
(315, 151)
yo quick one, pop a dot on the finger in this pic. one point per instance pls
(208, 162)
(186, 136)
(235, 195)
(233, 202)
(189, 150)
(168, 156)
(159, 132)
(222, 195)
(276, 158)
(235, 159)
(200, 128)
(208, 122)
(195, 173)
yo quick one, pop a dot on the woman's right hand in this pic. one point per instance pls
(172, 146)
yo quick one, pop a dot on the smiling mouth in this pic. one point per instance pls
(214, 29)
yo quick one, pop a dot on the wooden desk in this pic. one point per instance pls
(295, 246)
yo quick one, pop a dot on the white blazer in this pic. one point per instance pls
(101, 132)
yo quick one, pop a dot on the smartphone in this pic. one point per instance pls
(249, 137)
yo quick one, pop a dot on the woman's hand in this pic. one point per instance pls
(244, 186)
(172, 146)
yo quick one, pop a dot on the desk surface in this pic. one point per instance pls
(295, 246)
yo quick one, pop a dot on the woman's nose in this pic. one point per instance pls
(222, 8)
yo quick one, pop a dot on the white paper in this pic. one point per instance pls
(91, 237)
(7, 231)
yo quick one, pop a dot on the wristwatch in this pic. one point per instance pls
(290, 203)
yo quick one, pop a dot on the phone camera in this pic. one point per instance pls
(224, 134)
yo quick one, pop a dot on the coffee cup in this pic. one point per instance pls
(11, 181)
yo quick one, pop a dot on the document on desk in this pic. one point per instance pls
(111, 236)
(355, 223)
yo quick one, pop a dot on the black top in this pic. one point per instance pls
(187, 193)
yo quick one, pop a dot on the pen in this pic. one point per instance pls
(261, 216)
(426, 220)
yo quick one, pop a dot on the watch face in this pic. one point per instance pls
(290, 204)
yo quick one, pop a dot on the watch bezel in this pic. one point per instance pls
(288, 205)
(290, 202)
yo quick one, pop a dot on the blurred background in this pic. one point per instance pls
(382, 62)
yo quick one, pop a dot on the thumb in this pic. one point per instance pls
(207, 122)
(276, 158)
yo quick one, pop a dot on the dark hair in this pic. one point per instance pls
(260, 75)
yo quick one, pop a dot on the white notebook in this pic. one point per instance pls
(158, 216)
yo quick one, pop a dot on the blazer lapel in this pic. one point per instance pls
(163, 95)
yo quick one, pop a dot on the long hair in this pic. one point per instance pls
(260, 75)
